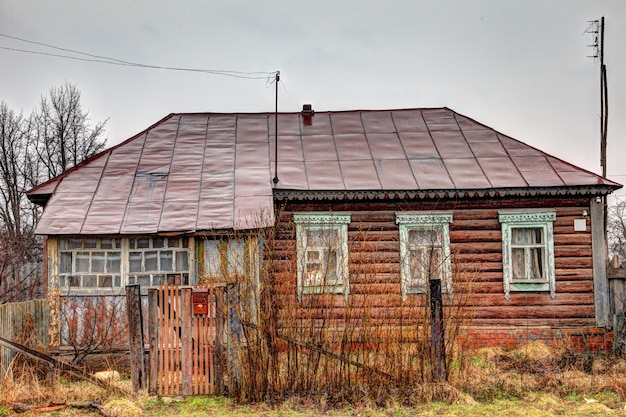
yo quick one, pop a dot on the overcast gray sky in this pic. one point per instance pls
(520, 67)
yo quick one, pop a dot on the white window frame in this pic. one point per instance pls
(337, 222)
(539, 219)
(424, 220)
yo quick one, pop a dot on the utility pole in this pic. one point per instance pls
(275, 180)
(596, 29)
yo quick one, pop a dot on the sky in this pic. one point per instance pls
(520, 67)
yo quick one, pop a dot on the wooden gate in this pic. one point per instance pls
(182, 332)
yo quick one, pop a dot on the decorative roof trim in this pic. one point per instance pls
(589, 190)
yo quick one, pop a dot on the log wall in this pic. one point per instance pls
(476, 246)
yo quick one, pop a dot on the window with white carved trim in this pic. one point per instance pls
(424, 250)
(322, 241)
(527, 250)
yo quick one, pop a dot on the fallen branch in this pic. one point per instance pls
(23, 408)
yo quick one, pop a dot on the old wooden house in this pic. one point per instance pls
(345, 214)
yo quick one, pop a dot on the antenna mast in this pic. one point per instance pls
(275, 180)
(596, 28)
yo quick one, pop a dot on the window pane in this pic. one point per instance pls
(159, 280)
(105, 281)
(74, 281)
(182, 261)
(89, 281)
(90, 243)
(518, 263)
(536, 263)
(151, 261)
(63, 244)
(134, 260)
(143, 280)
(435, 257)
(314, 238)
(417, 274)
(425, 237)
(158, 242)
(236, 264)
(106, 244)
(118, 243)
(74, 243)
(143, 243)
(212, 263)
(82, 262)
(132, 243)
(167, 264)
(526, 236)
(113, 262)
(97, 262)
(331, 268)
(116, 281)
(65, 266)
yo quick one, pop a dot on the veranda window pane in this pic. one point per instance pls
(167, 264)
(151, 261)
(74, 243)
(105, 281)
(73, 281)
(143, 243)
(89, 281)
(143, 280)
(114, 262)
(182, 261)
(63, 244)
(106, 244)
(212, 259)
(134, 261)
(236, 264)
(158, 242)
(90, 243)
(65, 266)
(97, 262)
(82, 262)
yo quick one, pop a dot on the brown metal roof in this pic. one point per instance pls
(201, 172)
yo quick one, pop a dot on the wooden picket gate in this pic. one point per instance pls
(182, 330)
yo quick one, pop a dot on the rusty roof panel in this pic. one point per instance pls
(289, 149)
(385, 146)
(360, 175)
(292, 176)
(419, 145)
(409, 121)
(451, 144)
(502, 172)
(466, 173)
(142, 217)
(378, 122)
(324, 175)
(179, 215)
(346, 122)
(395, 174)
(318, 148)
(431, 174)
(104, 217)
(352, 147)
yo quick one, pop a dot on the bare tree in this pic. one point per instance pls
(55, 137)
(63, 134)
(616, 229)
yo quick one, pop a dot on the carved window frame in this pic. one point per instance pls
(337, 224)
(409, 221)
(527, 219)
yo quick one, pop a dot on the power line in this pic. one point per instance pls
(114, 61)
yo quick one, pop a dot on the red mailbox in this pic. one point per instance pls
(200, 299)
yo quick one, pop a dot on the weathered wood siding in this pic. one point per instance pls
(476, 246)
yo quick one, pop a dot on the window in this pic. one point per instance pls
(322, 252)
(224, 259)
(158, 261)
(527, 251)
(424, 250)
(90, 263)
